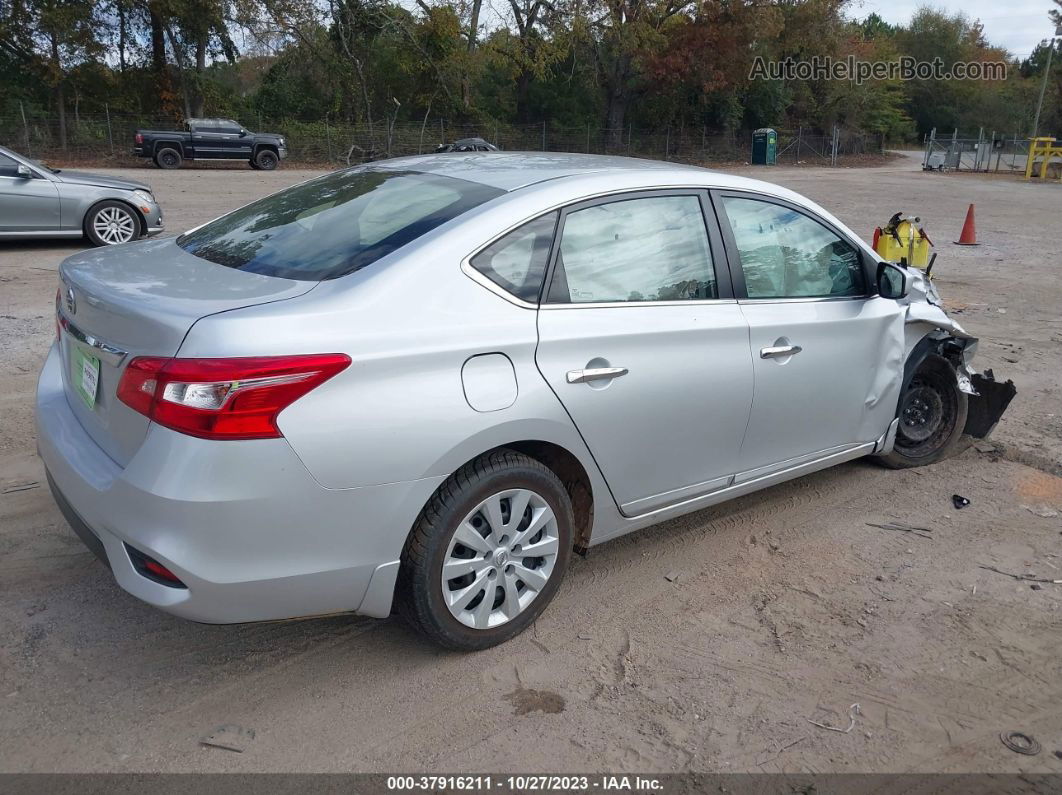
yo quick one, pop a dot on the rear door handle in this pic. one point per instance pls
(778, 351)
(595, 374)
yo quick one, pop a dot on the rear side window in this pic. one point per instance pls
(649, 249)
(785, 254)
(334, 225)
(517, 261)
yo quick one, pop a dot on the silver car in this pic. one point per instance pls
(425, 382)
(37, 201)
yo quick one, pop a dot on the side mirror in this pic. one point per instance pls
(892, 281)
(24, 172)
(244, 133)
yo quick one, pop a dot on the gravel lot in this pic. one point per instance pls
(708, 643)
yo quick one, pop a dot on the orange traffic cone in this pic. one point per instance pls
(969, 230)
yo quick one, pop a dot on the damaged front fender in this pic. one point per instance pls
(987, 398)
(988, 404)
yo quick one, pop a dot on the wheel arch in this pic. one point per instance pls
(139, 216)
(160, 145)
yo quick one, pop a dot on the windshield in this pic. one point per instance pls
(334, 225)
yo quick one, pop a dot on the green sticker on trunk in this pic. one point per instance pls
(85, 375)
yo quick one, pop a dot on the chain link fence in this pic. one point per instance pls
(994, 152)
(108, 139)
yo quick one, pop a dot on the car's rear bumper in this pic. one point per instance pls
(242, 524)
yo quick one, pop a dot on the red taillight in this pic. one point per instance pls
(139, 138)
(223, 398)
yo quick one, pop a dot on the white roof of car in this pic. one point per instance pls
(512, 170)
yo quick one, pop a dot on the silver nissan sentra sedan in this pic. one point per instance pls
(426, 382)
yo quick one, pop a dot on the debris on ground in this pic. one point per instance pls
(671, 576)
(229, 737)
(1020, 743)
(21, 487)
(959, 501)
(1043, 511)
(985, 447)
(526, 700)
(904, 528)
(852, 712)
(1026, 577)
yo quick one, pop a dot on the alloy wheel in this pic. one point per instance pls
(114, 225)
(500, 558)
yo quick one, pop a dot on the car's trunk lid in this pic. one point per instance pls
(140, 300)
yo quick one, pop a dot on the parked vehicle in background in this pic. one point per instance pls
(211, 139)
(467, 145)
(427, 381)
(37, 201)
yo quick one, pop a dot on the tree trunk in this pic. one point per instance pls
(178, 56)
(60, 100)
(122, 32)
(523, 97)
(166, 99)
(619, 97)
(473, 31)
(200, 68)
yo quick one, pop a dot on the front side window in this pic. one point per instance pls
(517, 261)
(645, 249)
(334, 225)
(785, 254)
(8, 167)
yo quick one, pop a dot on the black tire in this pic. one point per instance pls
(124, 224)
(419, 592)
(254, 165)
(168, 158)
(932, 416)
(266, 160)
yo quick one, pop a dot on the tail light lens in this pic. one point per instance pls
(139, 138)
(237, 398)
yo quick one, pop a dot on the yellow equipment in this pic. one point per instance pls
(903, 241)
(1047, 152)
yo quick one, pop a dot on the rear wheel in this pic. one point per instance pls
(110, 223)
(488, 552)
(932, 416)
(168, 158)
(266, 160)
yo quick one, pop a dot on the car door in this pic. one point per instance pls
(641, 340)
(27, 204)
(207, 141)
(822, 344)
(235, 144)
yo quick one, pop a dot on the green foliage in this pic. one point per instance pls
(608, 64)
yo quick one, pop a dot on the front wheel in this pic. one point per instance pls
(266, 160)
(487, 553)
(932, 416)
(110, 223)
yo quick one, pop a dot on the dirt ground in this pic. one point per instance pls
(709, 643)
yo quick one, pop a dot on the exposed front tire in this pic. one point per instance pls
(267, 160)
(254, 165)
(168, 157)
(110, 223)
(932, 416)
(487, 553)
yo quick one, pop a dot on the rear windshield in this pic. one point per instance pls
(334, 225)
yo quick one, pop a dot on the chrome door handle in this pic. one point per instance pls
(779, 351)
(595, 374)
